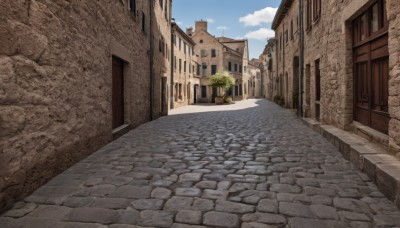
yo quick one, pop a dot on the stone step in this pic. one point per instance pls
(371, 158)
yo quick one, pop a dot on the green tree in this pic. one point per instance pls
(222, 80)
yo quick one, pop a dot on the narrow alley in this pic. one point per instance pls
(251, 164)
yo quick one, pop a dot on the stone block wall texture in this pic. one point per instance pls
(393, 9)
(55, 84)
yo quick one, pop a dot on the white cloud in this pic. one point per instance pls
(209, 20)
(259, 17)
(261, 34)
(222, 28)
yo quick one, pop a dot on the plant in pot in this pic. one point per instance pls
(222, 81)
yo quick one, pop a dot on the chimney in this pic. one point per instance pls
(189, 31)
(201, 25)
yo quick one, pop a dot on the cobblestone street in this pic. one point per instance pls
(250, 165)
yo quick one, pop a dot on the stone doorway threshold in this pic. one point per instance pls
(369, 157)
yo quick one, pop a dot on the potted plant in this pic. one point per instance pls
(222, 81)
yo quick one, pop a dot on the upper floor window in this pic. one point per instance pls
(236, 67)
(184, 47)
(230, 66)
(308, 14)
(316, 9)
(201, 41)
(213, 53)
(132, 6)
(204, 70)
(213, 69)
(161, 3)
(143, 22)
(180, 44)
(240, 68)
(203, 53)
(372, 22)
(291, 29)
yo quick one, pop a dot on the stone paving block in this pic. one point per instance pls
(189, 217)
(285, 188)
(231, 207)
(148, 204)
(50, 211)
(128, 216)
(132, 192)
(206, 185)
(190, 177)
(387, 220)
(325, 212)
(220, 219)
(266, 205)
(314, 223)
(93, 215)
(82, 225)
(190, 192)
(350, 205)
(295, 210)
(214, 194)
(35, 222)
(161, 193)
(177, 203)
(264, 218)
(179, 225)
(156, 218)
(111, 203)
(200, 204)
(354, 216)
(20, 209)
(255, 225)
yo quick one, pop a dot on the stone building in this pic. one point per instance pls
(255, 82)
(220, 54)
(268, 69)
(351, 76)
(74, 75)
(184, 79)
(161, 61)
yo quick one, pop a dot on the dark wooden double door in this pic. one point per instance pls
(371, 69)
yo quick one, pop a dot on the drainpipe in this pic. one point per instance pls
(151, 61)
(172, 67)
(301, 58)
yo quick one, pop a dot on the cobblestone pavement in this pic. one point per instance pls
(249, 165)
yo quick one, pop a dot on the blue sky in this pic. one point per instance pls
(249, 19)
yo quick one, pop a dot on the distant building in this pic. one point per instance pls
(255, 79)
(220, 54)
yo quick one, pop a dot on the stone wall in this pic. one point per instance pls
(55, 84)
(393, 9)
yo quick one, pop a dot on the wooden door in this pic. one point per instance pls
(117, 92)
(371, 68)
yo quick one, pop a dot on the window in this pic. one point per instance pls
(190, 68)
(166, 9)
(370, 23)
(213, 69)
(180, 65)
(198, 69)
(316, 9)
(180, 44)
(317, 90)
(201, 41)
(184, 47)
(236, 67)
(286, 36)
(143, 22)
(175, 62)
(308, 14)
(240, 68)
(204, 73)
(132, 6)
(236, 90)
(291, 29)
(240, 90)
(213, 53)
(161, 3)
(203, 91)
(193, 69)
(203, 53)
(230, 66)
(184, 66)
